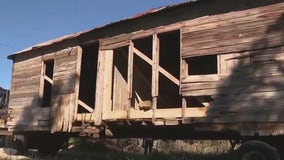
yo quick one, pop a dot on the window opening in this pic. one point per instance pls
(169, 60)
(87, 91)
(142, 75)
(48, 82)
(202, 65)
(119, 88)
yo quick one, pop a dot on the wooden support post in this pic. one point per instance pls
(155, 73)
(41, 85)
(184, 104)
(78, 75)
(183, 71)
(130, 77)
(104, 85)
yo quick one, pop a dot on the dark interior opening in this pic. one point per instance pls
(87, 91)
(169, 60)
(202, 65)
(142, 75)
(197, 101)
(47, 88)
(119, 88)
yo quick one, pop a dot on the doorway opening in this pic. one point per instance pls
(87, 91)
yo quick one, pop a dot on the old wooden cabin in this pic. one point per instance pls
(177, 71)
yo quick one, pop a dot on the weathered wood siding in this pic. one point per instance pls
(234, 32)
(24, 100)
(65, 88)
(25, 111)
(249, 84)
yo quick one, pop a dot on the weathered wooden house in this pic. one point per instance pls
(179, 72)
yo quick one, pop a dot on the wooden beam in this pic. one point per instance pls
(162, 70)
(184, 106)
(99, 87)
(169, 76)
(107, 83)
(73, 113)
(77, 82)
(84, 105)
(41, 85)
(171, 113)
(142, 56)
(130, 76)
(155, 66)
(48, 79)
(155, 73)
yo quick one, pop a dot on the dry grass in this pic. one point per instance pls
(130, 149)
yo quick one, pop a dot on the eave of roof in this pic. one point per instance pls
(74, 35)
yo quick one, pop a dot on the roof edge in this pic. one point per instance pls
(74, 35)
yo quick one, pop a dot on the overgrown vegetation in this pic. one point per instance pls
(131, 149)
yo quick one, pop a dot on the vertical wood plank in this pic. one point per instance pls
(155, 72)
(130, 76)
(218, 64)
(77, 84)
(41, 84)
(183, 72)
(99, 88)
(184, 104)
(107, 83)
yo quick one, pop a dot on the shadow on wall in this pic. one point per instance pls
(59, 114)
(254, 91)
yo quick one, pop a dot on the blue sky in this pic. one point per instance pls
(24, 23)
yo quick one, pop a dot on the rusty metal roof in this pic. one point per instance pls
(71, 36)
